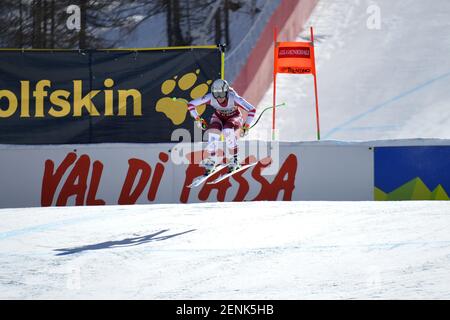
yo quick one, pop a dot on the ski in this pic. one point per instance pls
(199, 180)
(225, 176)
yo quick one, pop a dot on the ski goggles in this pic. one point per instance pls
(219, 94)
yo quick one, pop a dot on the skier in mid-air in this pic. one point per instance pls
(227, 119)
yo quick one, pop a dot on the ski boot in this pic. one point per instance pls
(209, 165)
(233, 165)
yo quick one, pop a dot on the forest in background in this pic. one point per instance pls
(42, 24)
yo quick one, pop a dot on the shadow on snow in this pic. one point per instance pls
(128, 242)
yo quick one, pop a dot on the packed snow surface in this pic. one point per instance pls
(250, 250)
(383, 73)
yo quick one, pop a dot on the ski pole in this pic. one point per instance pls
(264, 110)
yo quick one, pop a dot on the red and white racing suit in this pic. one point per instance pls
(227, 118)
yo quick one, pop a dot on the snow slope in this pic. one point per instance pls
(373, 84)
(250, 250)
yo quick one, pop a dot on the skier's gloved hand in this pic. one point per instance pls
(201, 123)
(244, 129)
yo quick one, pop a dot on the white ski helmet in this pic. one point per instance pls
(220, 88)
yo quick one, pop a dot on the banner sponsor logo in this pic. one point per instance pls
(63, 103)
(79, 178)
(297, 70)
(97, 96)
(110, 174)
(412, 173)
(189, 86)
(294, 52)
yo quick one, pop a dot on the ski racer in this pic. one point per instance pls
(226, 119)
